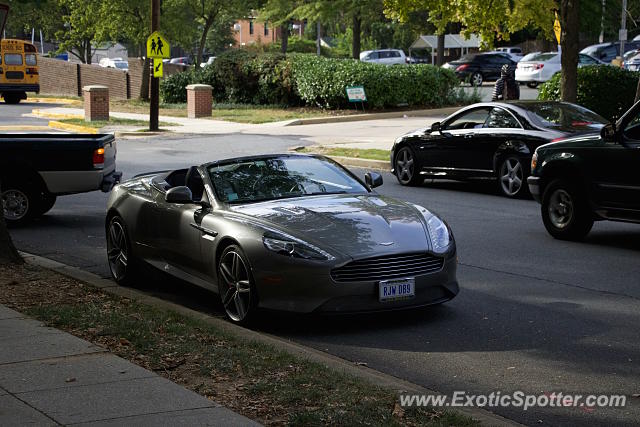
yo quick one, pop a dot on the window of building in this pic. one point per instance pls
(251, 27)
(266, 28)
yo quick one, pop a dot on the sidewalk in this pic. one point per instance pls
(49, 378)
(378, 133)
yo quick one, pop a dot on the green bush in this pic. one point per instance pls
(242, 77)
(322, 82)
(609, 91)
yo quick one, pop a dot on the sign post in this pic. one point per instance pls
(157, 48)
(357, 94)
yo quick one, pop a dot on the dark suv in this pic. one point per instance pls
(593, 177)
(478, 67)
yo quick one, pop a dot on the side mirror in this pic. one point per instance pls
(608, 132)
(435, 127)
(180, 195)
(373, 179)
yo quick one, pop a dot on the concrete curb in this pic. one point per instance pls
(24, 127)
(54, 101)
(375, 116)
(332, 362)
(38, 113)
(356, 162)
(72, 128)
(120, 134)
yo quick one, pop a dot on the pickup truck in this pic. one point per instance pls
(36, 168)
(588, 178)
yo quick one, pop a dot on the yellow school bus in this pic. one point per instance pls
(18, 70)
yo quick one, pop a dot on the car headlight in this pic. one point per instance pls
(293, 247)
(437, 230)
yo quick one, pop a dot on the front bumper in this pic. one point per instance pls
(534, 187)
(311, 290)
(109, 181)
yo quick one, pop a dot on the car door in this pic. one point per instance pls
(454, 151)
(501, 130)
(617, 172)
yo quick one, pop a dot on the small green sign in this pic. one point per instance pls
(356, 94)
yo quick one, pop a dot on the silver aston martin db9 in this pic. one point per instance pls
(287, 232)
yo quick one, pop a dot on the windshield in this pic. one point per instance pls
(282, 177)
(564, 117)
(121, 65)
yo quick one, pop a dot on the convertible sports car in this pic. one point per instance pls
(288, 232)
(489, 141)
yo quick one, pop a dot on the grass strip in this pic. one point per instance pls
(360, 153)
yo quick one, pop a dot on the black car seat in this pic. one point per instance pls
(193, 180)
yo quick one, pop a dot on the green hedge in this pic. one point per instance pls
(244, 77)
(607, 90)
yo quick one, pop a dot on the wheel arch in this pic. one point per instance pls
(22, 171)
(563, 168)
(512, 148)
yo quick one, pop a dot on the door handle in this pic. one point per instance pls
(204, 230)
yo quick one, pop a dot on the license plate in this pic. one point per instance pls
(397, 289)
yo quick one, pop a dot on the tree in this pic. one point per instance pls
(570, 22)
(279, 14)
(8, 252)
(84, 26)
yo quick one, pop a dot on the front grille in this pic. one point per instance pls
(387, 267)
(15, 75)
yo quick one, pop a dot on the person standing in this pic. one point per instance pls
(506, 87)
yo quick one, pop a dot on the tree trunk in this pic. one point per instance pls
(8, 252)
(357, 25)
(570, 21)
(440, 57)
(203, 39)
(87, 51)
(318, 38)
(144, 87)
(284, 33)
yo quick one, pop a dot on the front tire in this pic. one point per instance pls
(406, 167)
(236, 287)
(122, 264)
(532, 85)
(512, 177)
(565, 211)
(11, 99)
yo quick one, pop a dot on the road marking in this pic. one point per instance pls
(23, 127)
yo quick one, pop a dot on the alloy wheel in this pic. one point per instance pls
(511, 176)
(117, 250)
(405, 166)
(476, 80)
(235, 289)
(561, 208)
(15, 204)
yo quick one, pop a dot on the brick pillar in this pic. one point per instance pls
(199, 101)
(96, 103)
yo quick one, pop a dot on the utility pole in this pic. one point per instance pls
(154, 106)
(623, 28)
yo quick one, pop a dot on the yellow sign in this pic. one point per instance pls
(157, 46)
(557, 28)
(157, 67)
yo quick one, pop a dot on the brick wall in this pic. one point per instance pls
(115, 80)
(58, 77)
(65, 78)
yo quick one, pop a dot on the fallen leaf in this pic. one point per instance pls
(70, 380)
(124, 341)
(398, 412)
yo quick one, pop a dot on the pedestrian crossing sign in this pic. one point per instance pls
(158, 46)
(157, 67)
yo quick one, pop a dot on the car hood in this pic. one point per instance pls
(580, 141)
(354, 225)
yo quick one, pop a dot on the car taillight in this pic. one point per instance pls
(462, 67)
(32, 71)
(558, 139)
(538, 66)
(98, 158)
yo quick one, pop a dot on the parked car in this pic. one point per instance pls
(607, 52)
(209, 61)
(595, 177)
(631, 60)
(514, 53)
(118, 63)
(384, 56)
(538, 68)
(488, 140)
(183, 60)
(36, 168)
(285, 232)
(479, 67)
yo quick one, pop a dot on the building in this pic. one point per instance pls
(251, 31)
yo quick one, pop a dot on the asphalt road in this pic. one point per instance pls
(534, 314)
(11, 115)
